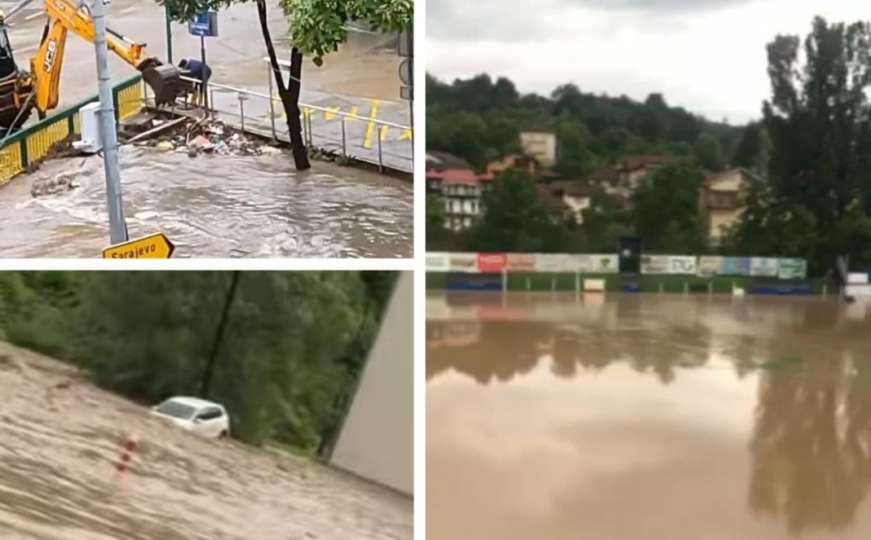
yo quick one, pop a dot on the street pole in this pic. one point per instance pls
(109, 139)
(204, 83)
(168, 35)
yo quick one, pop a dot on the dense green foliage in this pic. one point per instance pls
(294, 345)
(664, 212)
(480, 119)
(817, 202)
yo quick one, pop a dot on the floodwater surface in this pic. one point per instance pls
(645, 416)
(61, 439)
(217, 206)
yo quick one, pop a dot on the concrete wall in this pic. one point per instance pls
(377, 439)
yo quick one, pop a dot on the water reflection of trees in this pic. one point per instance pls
(810, 447)
(811, 443)
(504, 349)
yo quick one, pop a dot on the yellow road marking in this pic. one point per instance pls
(330, 113)
(384, 130)
(370, 129)
(406, 135)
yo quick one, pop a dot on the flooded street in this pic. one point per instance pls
(212, 206)
(647, 416)
(60, 439)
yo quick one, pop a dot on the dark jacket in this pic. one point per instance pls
(198, 70)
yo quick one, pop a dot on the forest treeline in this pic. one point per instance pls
(809, 157)
(288, 362)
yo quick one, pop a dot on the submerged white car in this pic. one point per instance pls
(202, 417)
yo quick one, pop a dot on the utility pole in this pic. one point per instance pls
(206, 383)
(168, 35)
(108, 136)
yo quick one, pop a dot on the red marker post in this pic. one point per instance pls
(128, 449)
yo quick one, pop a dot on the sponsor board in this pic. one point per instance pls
(735, 266)
(492, 263)
(559, 263)
(709, 266)
(682, 264)
(792, 269)
(463, 262)
(654, 264)
(603, 263)
(520, 262)
(763, 267)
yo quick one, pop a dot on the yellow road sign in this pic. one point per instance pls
(155, 246)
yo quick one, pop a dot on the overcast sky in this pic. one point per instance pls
(706, 55)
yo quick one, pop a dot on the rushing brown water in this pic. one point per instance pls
(644, 416)
(214, 206)
(60, 439)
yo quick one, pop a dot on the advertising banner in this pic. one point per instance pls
(709, 266)
(654, 264)
(555, 263)
(520, 262)
(763, 267)
(736, 266)
(463, 262)
(792, 269)
(604, 263)
(492, 263)
(682, 264)
(438, 262)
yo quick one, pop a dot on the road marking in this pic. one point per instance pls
(406, 135)
(330, 113)
(370, 129)
(384, 130)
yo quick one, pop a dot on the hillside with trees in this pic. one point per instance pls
(480, 119)
(282, 350)
(809, 157)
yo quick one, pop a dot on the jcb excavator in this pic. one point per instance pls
(21, 91)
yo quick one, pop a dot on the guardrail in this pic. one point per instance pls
(376, 129)
(33, 142)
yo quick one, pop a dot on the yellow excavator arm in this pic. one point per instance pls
(45, 66)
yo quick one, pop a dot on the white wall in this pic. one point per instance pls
(377, 439)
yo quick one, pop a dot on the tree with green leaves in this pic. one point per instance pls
(316, 28)
(709, 152)
(666, 209)
(514, 218)
(819, 122)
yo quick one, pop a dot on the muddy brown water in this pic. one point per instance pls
(645, 416)
(213, 206)
(60, 438)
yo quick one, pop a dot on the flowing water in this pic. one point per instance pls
(212, 206)
(60, 439)
(647, 416)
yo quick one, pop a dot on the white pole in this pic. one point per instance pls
(117, 227)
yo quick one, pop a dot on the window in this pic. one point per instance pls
(210, 414)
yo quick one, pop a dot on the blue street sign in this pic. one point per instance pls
(204, 25)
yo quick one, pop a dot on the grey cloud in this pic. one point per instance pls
(506, 20)
(515, 20)
(660, 6)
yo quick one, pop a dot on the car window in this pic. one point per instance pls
(176, 409)
(210, 414)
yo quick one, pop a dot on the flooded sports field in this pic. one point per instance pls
(647, 416)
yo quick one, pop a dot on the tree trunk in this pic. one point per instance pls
(288, 93)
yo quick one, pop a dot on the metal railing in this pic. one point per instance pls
(306, 113)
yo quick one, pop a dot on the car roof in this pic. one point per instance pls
(197, 403)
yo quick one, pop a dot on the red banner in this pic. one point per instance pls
(491, 263)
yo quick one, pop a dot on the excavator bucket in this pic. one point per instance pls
(165, 80)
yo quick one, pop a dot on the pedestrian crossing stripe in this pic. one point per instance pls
(406, 135)
(332, 113)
